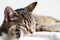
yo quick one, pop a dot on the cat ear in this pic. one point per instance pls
(31, 6)
(9, 13)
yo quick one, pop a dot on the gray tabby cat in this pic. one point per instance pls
(23, 21)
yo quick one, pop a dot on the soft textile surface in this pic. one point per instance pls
(38, 36)
(42, 36)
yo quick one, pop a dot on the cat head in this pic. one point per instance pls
(19, 17)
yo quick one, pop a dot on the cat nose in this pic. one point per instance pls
(31, 30)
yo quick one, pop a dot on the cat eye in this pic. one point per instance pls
(13, 18)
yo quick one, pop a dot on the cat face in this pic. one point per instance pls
(17, 20)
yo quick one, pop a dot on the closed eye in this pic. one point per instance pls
(13, 18)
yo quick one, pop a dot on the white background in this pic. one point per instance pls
(44, 7)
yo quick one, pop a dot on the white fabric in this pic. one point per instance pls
(38, 36)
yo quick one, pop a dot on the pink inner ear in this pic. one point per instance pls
(11, 13)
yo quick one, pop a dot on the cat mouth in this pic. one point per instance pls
(17, 32)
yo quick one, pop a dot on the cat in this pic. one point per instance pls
(23, 21)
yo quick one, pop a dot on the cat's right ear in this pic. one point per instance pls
(9, 13)
(31, 6)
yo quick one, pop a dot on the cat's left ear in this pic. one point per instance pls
(31, 6)
(9, 13)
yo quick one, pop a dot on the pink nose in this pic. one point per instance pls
(31, 30)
